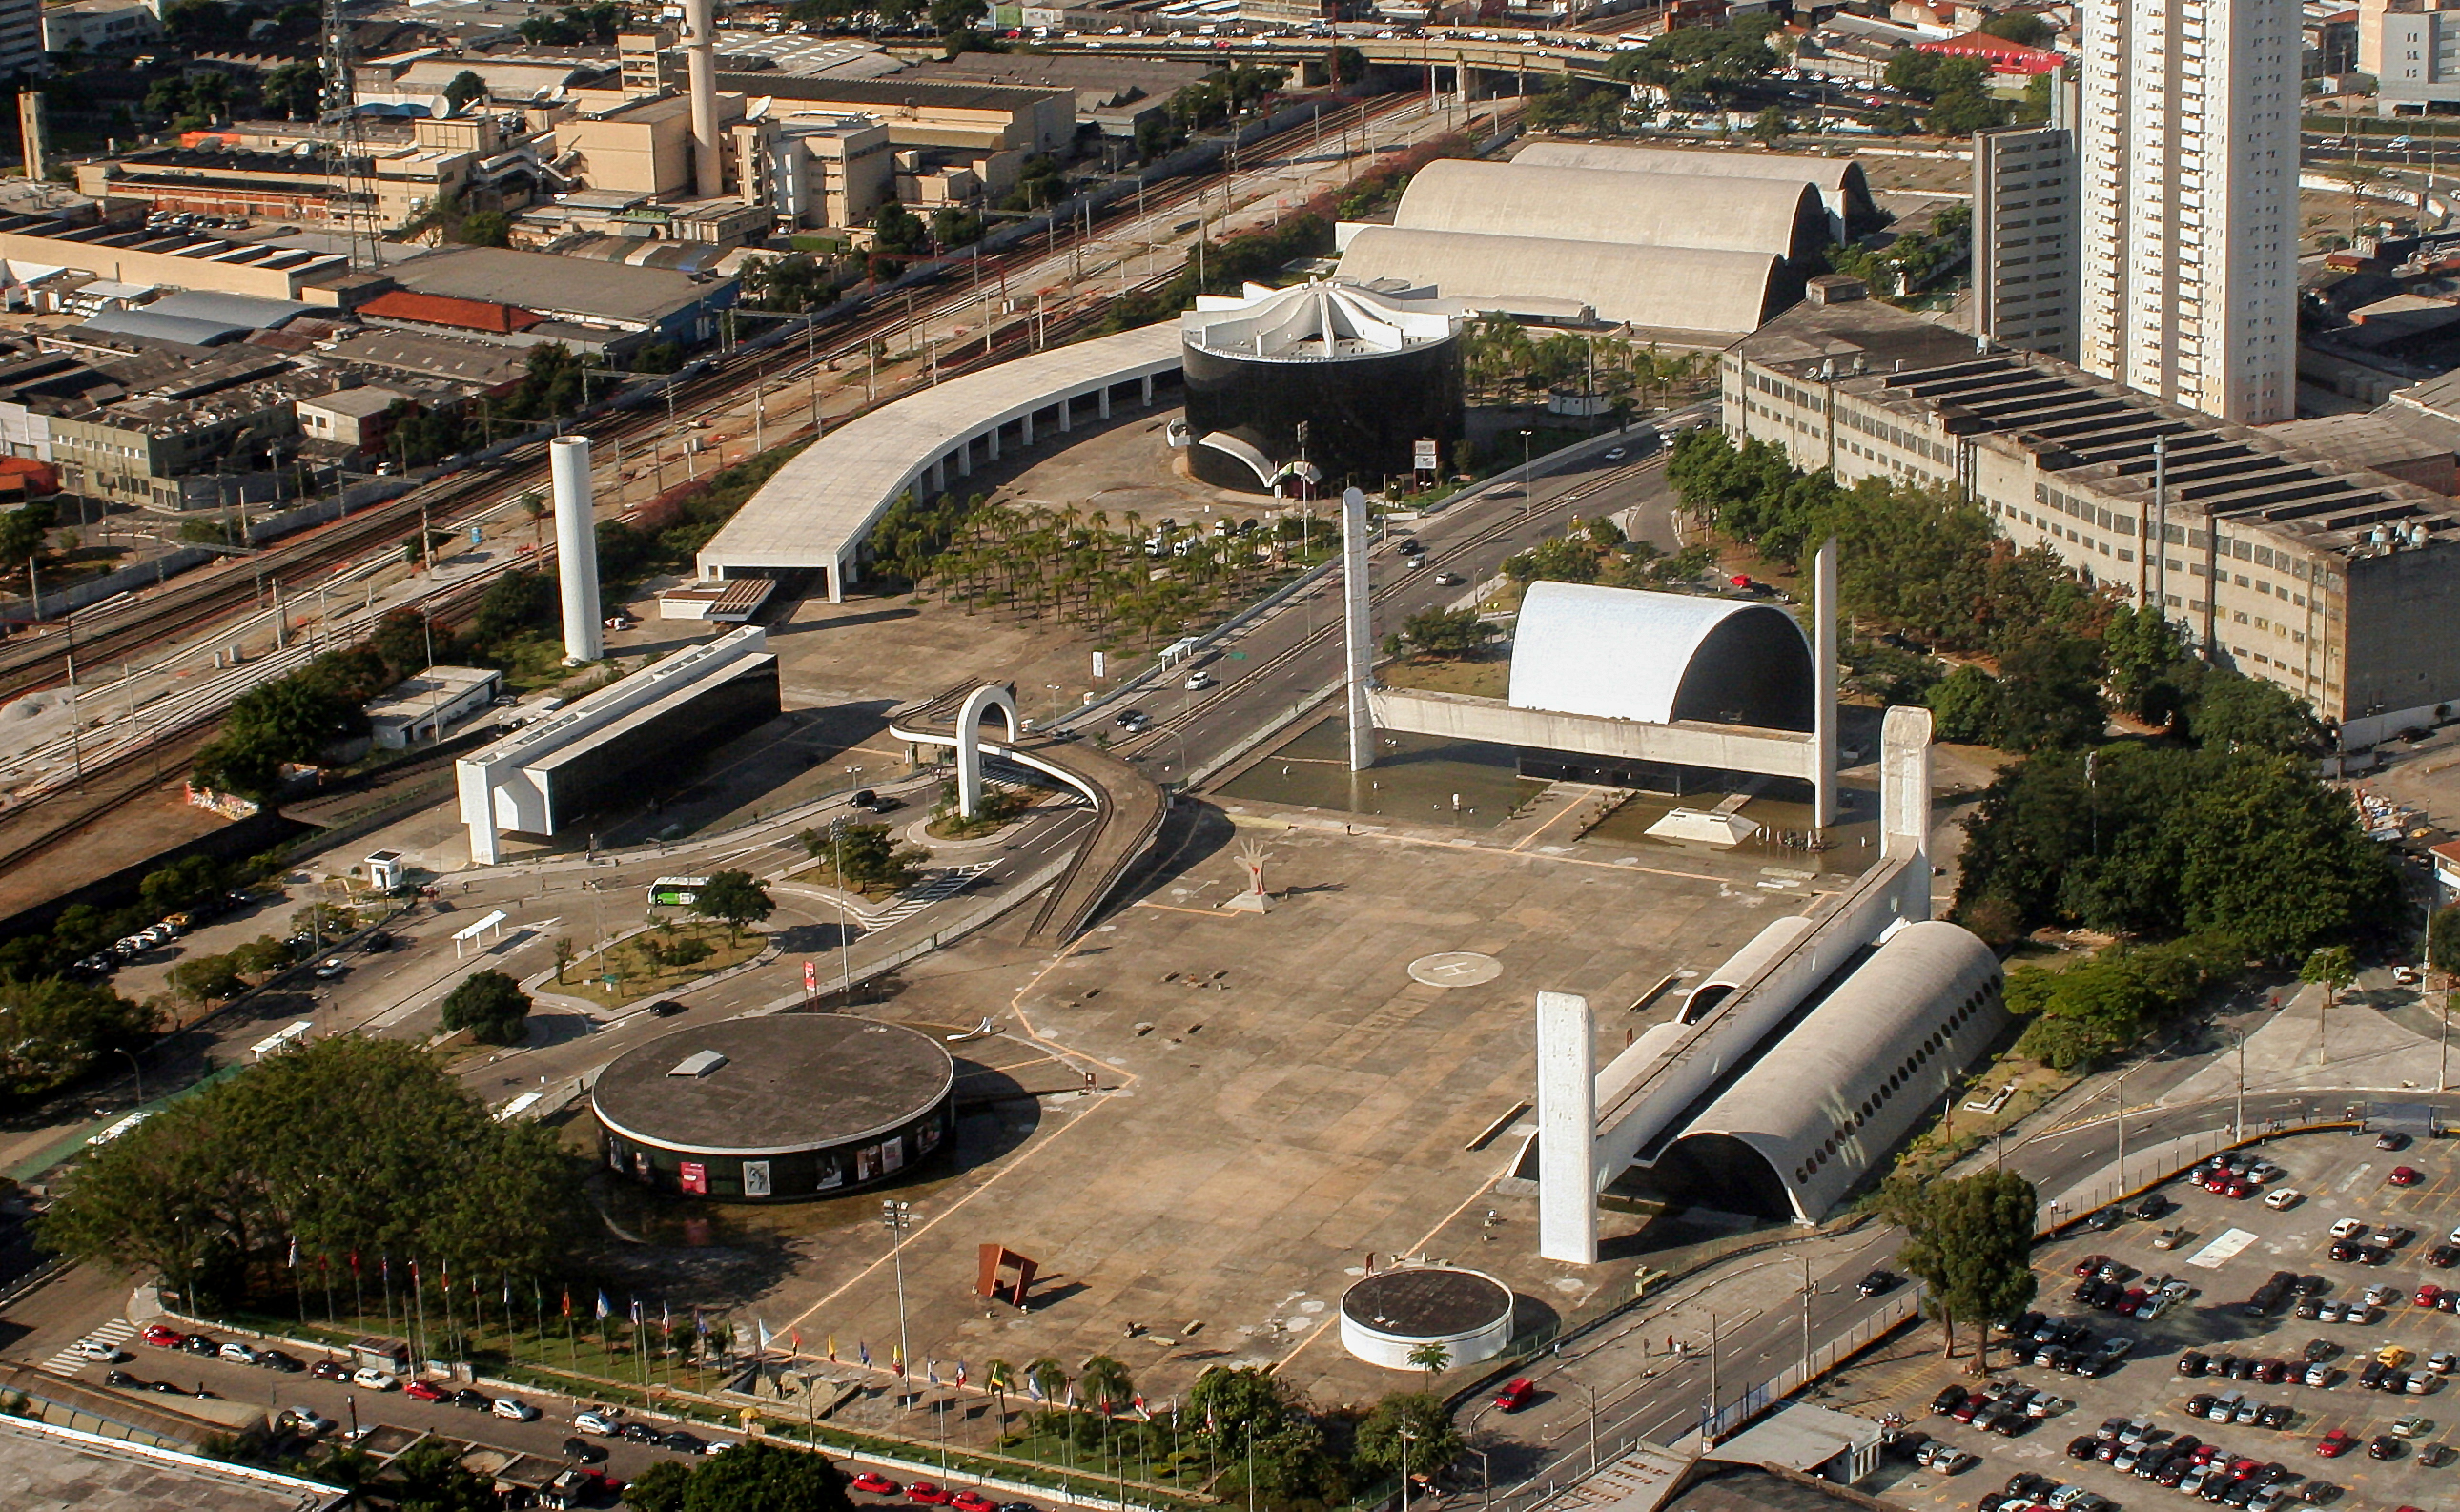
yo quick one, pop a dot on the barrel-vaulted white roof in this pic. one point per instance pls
(1621, 653)
(1842, 185)
(1312, 322)
(1785, 219)
(1663, 287)
(1836, 1092)
(816, 510)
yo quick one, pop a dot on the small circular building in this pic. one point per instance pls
(785, 1106)
(1386, 1316)
(1320, 385)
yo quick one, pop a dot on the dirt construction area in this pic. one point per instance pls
(2129, 1437)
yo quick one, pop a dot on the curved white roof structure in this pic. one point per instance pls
(1620, 653)
(1784, 220)
(1674, 289)
(1312, 322)
(815, 512)
(1836, 1092)
(1842, 185)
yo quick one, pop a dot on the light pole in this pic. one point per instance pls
(2120, 1090)
(1406, 1436)
(1526, 502)
(139, 1073)
(898, 1217)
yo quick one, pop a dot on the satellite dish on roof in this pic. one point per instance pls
(438, 107)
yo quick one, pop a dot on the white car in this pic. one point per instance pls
(2348, 1227)
(1199, 680)
(596, 1422)
(237, 1352)
(375, 1380)
(97, 1350)
(2443, 1362)
(2382, 1292)
(307, 1422)
(513, 1407)
(2453, 1237)
(2284, 1197)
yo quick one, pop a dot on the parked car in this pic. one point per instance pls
(281, 1360)
(1518, 1391)
(873, 1483)
(97, 1350)
(237, 1352)
(329, 1370)
(2281, 1197)
(371, 1379)
(2405, 1176)
(426, 1390)
(516, 1409)
(1876, 1283)
(590, 1420)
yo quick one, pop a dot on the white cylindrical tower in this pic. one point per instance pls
(576, 549)
(700, 60)
(1358, 621)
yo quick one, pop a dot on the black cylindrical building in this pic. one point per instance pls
(1328, 379)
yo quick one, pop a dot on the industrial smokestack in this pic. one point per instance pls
(576, 549)
(700, 57)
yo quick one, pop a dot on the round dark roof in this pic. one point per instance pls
(1427, 1302)
(773, 1086)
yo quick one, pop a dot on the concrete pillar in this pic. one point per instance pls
(940, 474)
(1358, 620)
(991, 441)
(1024, 430)
(700, 57)
(1823, 714)
(1103, 407)
(964, 459)
(1148, 393)
(970, 741)
(476, 786)
(837, 579)
(576, 549)
(1064, 406)
(1905, 799)
(1567, 1130)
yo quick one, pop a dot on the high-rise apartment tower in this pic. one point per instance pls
(2188, 144)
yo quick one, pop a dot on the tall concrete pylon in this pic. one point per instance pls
(1358, 623)
(576, 550)
(700, 61)
(1823, 714)
(1567, 1130)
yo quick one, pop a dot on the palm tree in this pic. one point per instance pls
(998, 1376)
(1106, 1381)
(1050, 1378)
(1433, 1358)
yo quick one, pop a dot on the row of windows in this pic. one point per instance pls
(1903, 1075)
(1896, 435)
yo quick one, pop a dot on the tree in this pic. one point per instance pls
(461, 89)
(737, 897)
(763, 1476)
(492, 1006)
(1433, 1442)
(1715, 63)
(2229, 710)
(431, 1479)
(1965, 704)
(347, 1145)
(2023, 28)
(659, 1488)
(562, 956)
(1769, 126)
(865, 856)
(1450, 633)
(956, 20)
(492, 228)
(1431, 1358)
(53, 1032)
(206, 978)
(2443, 939)
(2050, 694)
(513, 604)
(2332, 968)
(1970, 1241)
(1047, 1377)
(1105, 1382)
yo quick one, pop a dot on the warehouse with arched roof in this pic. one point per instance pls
(1621, 653)
(1714, 294)
(1784, 220)
(1843, 187)
(1818, 1112)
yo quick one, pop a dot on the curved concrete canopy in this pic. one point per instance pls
(1621, 653)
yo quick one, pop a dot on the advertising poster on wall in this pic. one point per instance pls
(892, 1155)
(694, 1176)
(755, 1178)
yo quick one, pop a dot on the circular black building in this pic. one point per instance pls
(784, 1106)
(1367, 375)
(1388, 1315)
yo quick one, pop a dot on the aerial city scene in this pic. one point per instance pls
(1265, 755)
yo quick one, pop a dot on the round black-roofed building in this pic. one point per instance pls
(784, 1106)
(1387, 1316)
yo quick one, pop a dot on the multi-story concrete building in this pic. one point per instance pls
(95, 25)
(2024, 237)
(21, 38)
(2412, 48)
(815, 169)
(2340, 583)
(2188, 138)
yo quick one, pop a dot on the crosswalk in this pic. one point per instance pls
(68, 1361)
(914, 900)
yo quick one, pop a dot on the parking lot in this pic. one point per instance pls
(2224, 1251)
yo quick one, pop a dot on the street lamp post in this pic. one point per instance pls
(898, 1217)
(2120, 1090)
(1526, 502)
(139, 1073)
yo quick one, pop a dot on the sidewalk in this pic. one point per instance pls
(2367, 1051)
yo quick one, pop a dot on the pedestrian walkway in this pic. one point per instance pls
(914, 900)
(70, 1360)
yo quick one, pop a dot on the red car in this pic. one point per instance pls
(161, 1337)
(424, 1391)
(2088, 1265)
(927, 1494)
(2405, 1176)
(972, 1502)
(2428, 1294)
(876, 1484)
(1516, 1395)
(329, 1370)
(2336, 1443)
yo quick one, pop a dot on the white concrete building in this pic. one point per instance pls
(2189, 145)
(2024, 237)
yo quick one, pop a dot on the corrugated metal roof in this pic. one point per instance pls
(443, 309)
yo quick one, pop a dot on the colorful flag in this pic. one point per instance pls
(700, 1323)
(383, 1262)
(796, 1339)
(294, 1251)
(764, 1335)
(604, 1305)
(833, 1349)
(1033, 1386)
(1071, 1396)
(931, 1371)
(508, 1293)
(897, 1358)
(355, 1262)
(961, 1372)
(864, 1351)
(636, 1311)
(568, 1301)
(666, 1320)
(1138, 1402)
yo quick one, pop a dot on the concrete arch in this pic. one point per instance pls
(969, 739)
